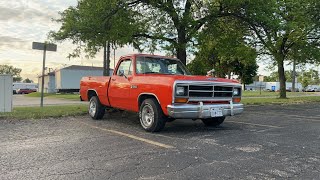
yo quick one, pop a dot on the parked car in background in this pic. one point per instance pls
(26, 91)
(310, 90)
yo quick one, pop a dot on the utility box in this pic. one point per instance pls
(6, 93)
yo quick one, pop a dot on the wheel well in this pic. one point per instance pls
(91, 93)
(144, 97)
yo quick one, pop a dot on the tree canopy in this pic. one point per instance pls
(284, 29)
(222, 48)
(15, 72)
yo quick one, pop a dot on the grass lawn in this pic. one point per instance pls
(272, 100)
(45, 112)
(273, 94)
(53, 95)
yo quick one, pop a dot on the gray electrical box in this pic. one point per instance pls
(6, 93)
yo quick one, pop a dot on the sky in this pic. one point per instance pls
(25, 21)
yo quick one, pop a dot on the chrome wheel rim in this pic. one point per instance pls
(147, 116)
(92, 108)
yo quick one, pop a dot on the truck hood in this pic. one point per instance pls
(191, 78)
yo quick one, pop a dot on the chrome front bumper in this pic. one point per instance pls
(197, 111)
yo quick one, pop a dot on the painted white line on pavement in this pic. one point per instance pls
(263, 125)
(131, 136)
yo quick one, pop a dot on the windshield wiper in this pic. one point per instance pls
(150, 73)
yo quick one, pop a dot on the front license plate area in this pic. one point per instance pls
(216, 112)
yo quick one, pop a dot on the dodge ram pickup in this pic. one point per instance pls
(161, 89)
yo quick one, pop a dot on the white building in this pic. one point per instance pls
(275, 86)
(271, 86)
(68, 79)
(49, 83)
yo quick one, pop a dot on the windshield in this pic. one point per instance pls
(156, 65)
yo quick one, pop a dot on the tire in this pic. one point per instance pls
(151, 116)
(96, 109)
(215, 121)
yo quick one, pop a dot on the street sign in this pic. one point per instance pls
(43, 46)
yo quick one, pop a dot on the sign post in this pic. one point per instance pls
(45, 47)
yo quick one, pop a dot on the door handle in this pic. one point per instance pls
(113, 79)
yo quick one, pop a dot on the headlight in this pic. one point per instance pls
(181, 91)
(236, 92)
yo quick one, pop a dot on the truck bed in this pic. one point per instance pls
(96, 84)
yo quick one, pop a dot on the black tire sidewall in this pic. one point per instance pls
(159, 118)
(100, 109)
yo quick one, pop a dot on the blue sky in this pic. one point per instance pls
(25, 21)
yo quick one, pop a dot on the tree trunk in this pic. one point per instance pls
(108, 59)
(294, 76)
(282, 77)
(105, 59)
(182, 46)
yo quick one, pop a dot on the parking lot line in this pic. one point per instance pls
(263, 125)
(148, 141)
(315, 118)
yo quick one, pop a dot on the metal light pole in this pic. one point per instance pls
(45, 47)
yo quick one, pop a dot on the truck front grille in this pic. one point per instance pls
(210, 91)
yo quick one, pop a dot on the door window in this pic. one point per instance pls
(126, 67)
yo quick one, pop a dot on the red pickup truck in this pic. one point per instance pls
(161, 89)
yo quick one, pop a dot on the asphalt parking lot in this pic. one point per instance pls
(266, 142)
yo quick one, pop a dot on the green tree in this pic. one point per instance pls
(222, 47)
(274, 76)
(172, 26)
(283, 29)
(93, 24)
(310, 77)
(27, 81)
(15, 72)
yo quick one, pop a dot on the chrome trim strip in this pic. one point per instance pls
(209, 99)
(195, 111)
(200, 109)
(231, 108)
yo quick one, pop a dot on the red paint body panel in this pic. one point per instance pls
(123, 93)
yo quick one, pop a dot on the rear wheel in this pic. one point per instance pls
(215, 121)
(151, 116)
(96, 109)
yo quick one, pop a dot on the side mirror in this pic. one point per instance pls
(121, 73)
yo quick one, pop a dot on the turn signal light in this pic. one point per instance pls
(181, 100)
(236, 100)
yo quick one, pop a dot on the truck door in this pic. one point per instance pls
(120, 85)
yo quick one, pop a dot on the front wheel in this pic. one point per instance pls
(215, 121)
(151, 116)
(96, 109)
